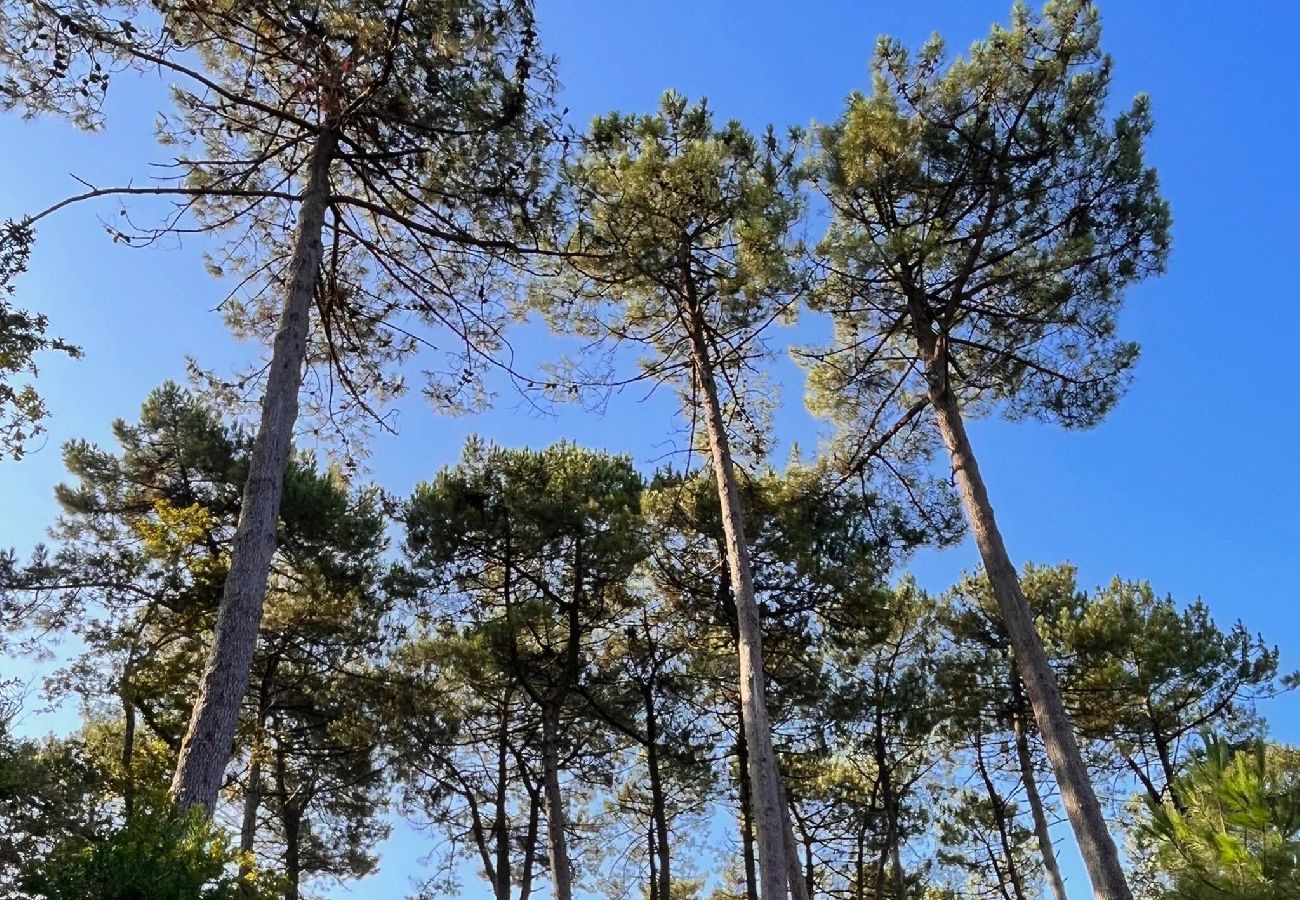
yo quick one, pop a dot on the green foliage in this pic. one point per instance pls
(22, 337)
(143, 549)
(50, 794)
(157, 855)
(988, 216)
(438, 118)
(1235, 834)
(1146, 675)
(682, 228)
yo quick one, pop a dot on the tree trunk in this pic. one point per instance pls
(248, 825)
(746, 816)
(659, 803)
(253, 787)
(801, 878)
(128, 755)
(999, 808)
(500, 824)
(1095, 844)
(291, 809)
(209, 740)
(292, 821)
(561, 875)
(1030, 780)
(530, 845)
(765, 779)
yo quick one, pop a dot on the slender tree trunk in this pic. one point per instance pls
(248, 824)
(500, 824)
(860, 864)
(999, 807)
(746, 816)
(659, 803)
(801, 878)
(765, 778)
(292, 822)
(530, 845)
(1028, 776)
(561, 875)
(291, 809)
(1095, 844)
(128, 755)
(209, 740)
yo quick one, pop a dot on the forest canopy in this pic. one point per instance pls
(557, 667)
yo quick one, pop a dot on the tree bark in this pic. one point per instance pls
(659, 803)
(1095, 844)
(209, 740)
(746, 816)
(1030, 780)
(561, 875)
(765, 778)
(801, 877)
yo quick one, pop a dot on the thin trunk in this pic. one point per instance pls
(128, 755)
(530, 845)
(889, 798)
(1000, 811)
(765, 779)
(1030, 780)
(292, 821)
(500, 825)
(801, 878)
(209, 740)
(561, 876)
(660, 870)
(746, 816)
(860, 864)
(248, 825)
(253, 787)
(1080, 800)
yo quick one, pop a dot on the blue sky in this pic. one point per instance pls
(1190, 483)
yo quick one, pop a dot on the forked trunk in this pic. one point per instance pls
(1095, 844)
(1030, 779)
(765, 779)
(209, 740)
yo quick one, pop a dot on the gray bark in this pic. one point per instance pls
(1030, 780)
(1080, 801)
(800, 879)
(765, 778)
(209, 741)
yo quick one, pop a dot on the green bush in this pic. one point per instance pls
(157, 856)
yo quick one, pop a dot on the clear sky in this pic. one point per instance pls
(1190, 482)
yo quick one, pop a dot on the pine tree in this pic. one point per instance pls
(681, 246)
(987, 220)
(403, 141)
